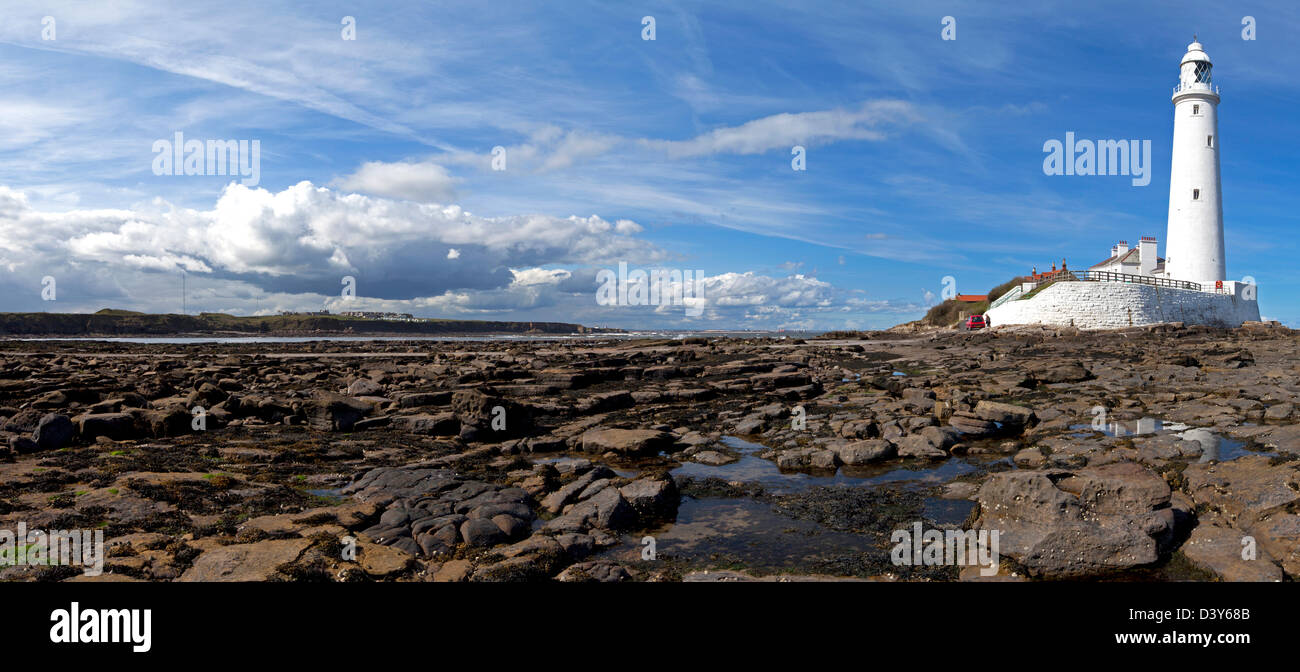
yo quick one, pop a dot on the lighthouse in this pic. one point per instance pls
(1134, 287)
(1194, 247)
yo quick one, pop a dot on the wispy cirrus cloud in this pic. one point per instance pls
(868, 121)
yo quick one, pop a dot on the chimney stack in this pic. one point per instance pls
(1147, 255)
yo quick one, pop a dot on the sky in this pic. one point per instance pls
(500, 160)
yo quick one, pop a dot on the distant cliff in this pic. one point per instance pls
(127, 323)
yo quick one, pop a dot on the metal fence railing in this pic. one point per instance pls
(1019, 291)
(1110, 276)
(1011, 294)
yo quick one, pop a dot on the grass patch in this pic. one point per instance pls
(1034, 292)
(997, 292)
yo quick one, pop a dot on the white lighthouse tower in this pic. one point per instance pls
(1194, 250)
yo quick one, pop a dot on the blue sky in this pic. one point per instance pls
(924, 156)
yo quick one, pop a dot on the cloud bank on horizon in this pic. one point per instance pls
(819, 167)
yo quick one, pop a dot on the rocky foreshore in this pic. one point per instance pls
(1159, 453)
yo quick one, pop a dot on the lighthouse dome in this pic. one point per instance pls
(1195, 53)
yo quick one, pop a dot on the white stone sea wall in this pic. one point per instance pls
(1109, 305)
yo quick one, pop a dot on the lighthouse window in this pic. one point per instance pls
(1196, 109)
(1196, 194)
(1209, 141)
(1203, 72)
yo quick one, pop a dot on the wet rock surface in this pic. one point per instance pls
(1164, 452)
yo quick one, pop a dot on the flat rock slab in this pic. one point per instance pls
(245, 562)
(626, 441)
(1062, 524)
(1219, 550)
(712, 458)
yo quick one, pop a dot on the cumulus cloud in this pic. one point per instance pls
(751, 289)
(423, 182)
(305, 238)
(732, 299)
(257, 252)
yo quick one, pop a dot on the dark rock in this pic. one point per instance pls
(175, 421)
(21, 445)
(604, 402)
(481, 532)
(513, 527)
(1007, 414)
(653, 499)
(606, 510)
(969, 423)
(602, 571)
(577, 546)
(441, 424)
(334, 412)
(24, 421)
(418, 399)
(477, 411)
(864, 452)
(116, 426)
(930, 442)
(772, 381)
(54, 431)
(364, 387)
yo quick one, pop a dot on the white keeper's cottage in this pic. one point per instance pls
(1140, 260)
